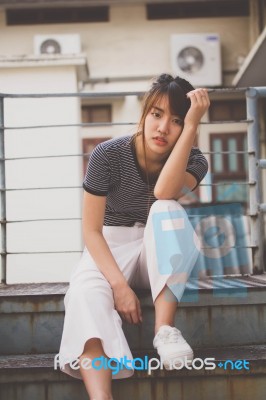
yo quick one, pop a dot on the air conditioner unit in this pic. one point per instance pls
(197, 58)
(57, 44)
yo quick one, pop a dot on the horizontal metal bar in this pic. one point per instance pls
(103, 94)
(79, 218)
(40, 188)
(261, 91)
(88, 154)
(80, 187)
(78, 94)
(227, 183)
(262, 207)
(51, 156)
(231, 121)
(38, 220)
(225, 152)
(102, 124)
(88, 125)
(262, 163)
(80, 251)
(42, 252)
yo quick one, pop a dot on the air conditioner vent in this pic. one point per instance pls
(50, 46)
(197, 58)
(190, 59)
(57, 44)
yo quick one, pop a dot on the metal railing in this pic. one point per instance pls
(256, 207)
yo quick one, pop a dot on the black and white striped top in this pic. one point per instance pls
(113, 171)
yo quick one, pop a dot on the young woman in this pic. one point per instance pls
(136, 235)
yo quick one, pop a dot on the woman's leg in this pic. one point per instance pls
(97, 382)
(165, 308)
(90, 313)
(169, 254)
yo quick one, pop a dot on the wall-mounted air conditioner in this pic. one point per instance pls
(197, 58)
(57, 44)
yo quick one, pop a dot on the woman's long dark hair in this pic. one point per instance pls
(175, 89)
(165, 85)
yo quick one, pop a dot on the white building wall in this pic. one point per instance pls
(24, 205)
(127, 46)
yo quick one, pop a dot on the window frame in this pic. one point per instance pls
(226, 175)
(94, 142)
(56, 15)
(197, 9)
(231, 106)
(89, 108)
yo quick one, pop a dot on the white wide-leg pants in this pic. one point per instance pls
(162, 252)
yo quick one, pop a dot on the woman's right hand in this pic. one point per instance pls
(127, 304)
(200, 103)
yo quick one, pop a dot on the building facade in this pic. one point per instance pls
(120, 46)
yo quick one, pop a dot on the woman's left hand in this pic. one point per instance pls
(200, 103)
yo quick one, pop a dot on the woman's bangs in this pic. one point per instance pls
(156, 98)
(178, 102)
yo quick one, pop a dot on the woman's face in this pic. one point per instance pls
(162, 129)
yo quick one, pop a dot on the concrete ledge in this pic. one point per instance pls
(32, 316)
(211, 291)
(33, 377)
(13, 367)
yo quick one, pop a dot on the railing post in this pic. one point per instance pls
(3, 192)
(255, 197)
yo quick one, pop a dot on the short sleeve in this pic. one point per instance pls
(97, 177)
(197, 165)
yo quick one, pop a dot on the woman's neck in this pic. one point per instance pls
(146, 159)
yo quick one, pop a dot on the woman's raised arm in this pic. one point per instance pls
(173, 178)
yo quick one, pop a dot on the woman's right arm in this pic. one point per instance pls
(126, 302)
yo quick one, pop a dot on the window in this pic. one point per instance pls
(93, 114)
(229, 167)
(55, 15)
(227, 110)
(96, 113)
(198, 9)
(87, 147)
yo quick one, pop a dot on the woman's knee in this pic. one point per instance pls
(165, 205)
(93, 345)
(90, 294)
(78, 294)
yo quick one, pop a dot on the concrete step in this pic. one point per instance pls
(215, 312)
(32, 377)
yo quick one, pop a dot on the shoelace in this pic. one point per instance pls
(170, 336)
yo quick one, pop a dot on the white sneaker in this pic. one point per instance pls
(172, 348)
